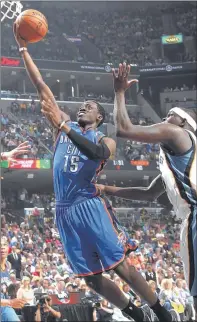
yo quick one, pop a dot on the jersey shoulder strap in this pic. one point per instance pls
(99, 136)
(192, 135)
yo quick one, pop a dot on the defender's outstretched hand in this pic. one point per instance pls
(121, 82)
(23, 148)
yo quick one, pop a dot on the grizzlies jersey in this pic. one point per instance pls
(179, 175)
(74, 174)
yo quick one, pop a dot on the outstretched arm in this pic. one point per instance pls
(44, 91)
(23, 148)
(154, 191)
(14, 303)
(168, 134)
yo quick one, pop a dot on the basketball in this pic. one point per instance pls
(33, 25)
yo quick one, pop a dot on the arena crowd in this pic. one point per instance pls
(41, 267)
(133, 31)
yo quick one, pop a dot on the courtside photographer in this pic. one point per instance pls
(102, 311)
(44, 312)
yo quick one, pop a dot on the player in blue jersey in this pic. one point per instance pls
(177, 138)
(85, 221)
(87, 226)
(8, 313)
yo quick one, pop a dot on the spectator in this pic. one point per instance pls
(37, 271)
(189, 307)
(61, 290)
(36, 285)
(25, 292)
(153, 286)
(150, 274)
(127, 291)
(45, 285)
(15, 260)
(166, 293)
(13, 278)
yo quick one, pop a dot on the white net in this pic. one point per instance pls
(10, 9)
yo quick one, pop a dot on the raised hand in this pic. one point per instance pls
(121, 82)
(21, 42)
(23, 148)
(46, 304)
(52, 111)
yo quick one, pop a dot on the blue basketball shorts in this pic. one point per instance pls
(89, 236)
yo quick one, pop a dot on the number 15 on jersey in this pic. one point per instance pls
(71, 163)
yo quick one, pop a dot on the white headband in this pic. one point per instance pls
(185, 116)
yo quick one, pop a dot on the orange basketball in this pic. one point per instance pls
(33, 25)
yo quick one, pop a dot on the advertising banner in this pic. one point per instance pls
(4, 164)
(43, 164)
(12, 62)
(100, 68)
(22, 164)
(164, 69)
(74, 39)
(172, 39)
(26, 164)
(133, 165)
(59, 65)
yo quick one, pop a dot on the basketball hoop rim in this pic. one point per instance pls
(12, 9)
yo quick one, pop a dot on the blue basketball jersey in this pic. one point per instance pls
(74, 174)
(179, 174)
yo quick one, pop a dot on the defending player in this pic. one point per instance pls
(85, 221)
(177, 138)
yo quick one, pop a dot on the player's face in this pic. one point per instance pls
(88, 114)
(4, 249)
(173, 118)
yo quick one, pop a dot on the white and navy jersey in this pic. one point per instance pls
(179, 175)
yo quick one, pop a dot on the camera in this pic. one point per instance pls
(92, 300)
(43, 300)
(97, 305)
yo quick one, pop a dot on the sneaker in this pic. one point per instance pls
(149, 315)
(175, 316)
